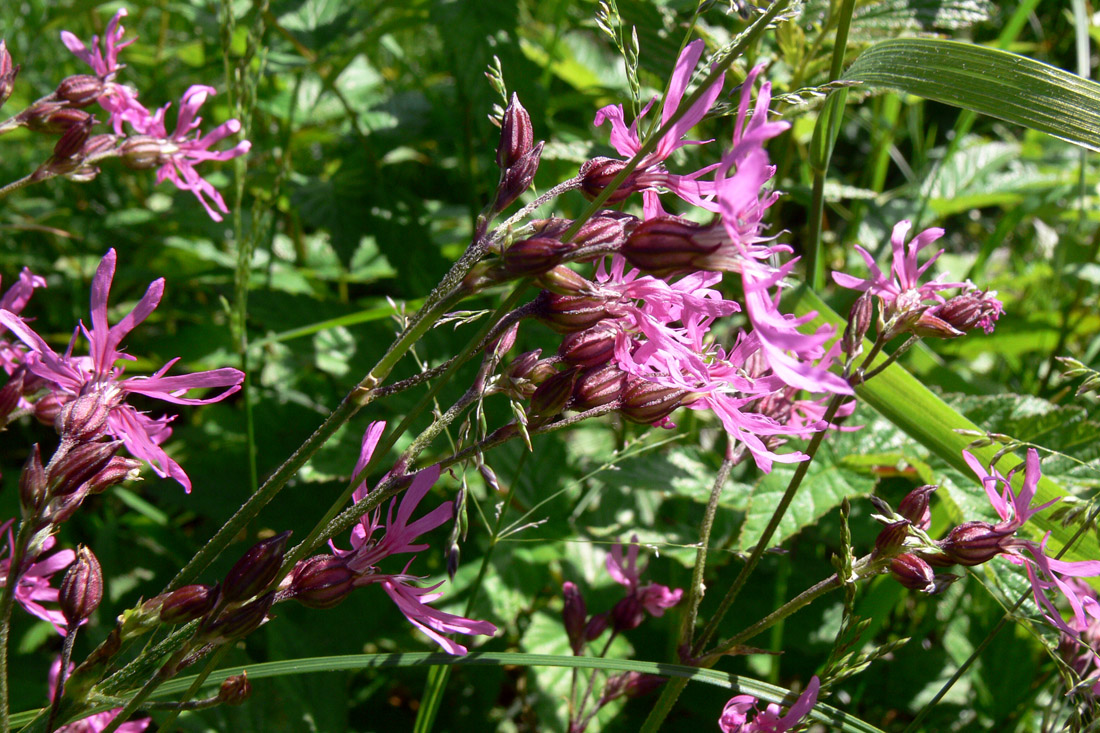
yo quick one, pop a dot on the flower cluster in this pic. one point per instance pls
(140, 137)
(100, 375)
(323, 581)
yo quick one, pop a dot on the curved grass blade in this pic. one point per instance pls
(1004, 85)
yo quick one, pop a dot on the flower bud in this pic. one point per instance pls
(237, 622)
(48, 408)
(553, 227)
(504, 343)
(32, 483)
(628, 613)
(72, 141)
(597, 173)
(916, 506)
(117, 470)
(11, 393)
(256, 569)
(968, 310)
(534, 256)
(564, 281)
(81, 588)
(605, 229)
(80, 90)
(517, 178)
(664, 246)
(235, 690)
(53, 117)
(8, 73)
(859, 322)
(188, 603)
(84, 418)
(588, 348)
(595, 626)
(97, 145)
(598, 386)
(573, 615)
(321, 581)
(913, 572)
(517, 136)
(80, 464)
(141, 152)
(567, 313)
(551, 397)
(891, 539)
(928, 325)
(647, 403)
(973, 543)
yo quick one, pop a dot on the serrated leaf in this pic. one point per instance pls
(1004, 85)
(828, 481)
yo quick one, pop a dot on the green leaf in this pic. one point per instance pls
(996, 83)
(834, 718)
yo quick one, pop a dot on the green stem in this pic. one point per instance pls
(7, 598)
(200, 678)
(697, 588)
(62, 675)
(166, 671)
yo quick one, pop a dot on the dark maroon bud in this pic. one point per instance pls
(588, 348)
(97, 145)
(916, 506)
(597, 173)
(665, 246)
(81, 588)
(929, 325)
(913, 572)
(598, 386)
(647, 403)
(238, 622)
(255, 570)
(564, 281)
(973, 543)
(891, 539)
(484, 275)
(859, 322)
(235, 690)
(321, 581)
(935, 559)
(73, 470)
(516, 135)
(531, 257)
(551, 397)
(10, 393)
(522, 366)
(640, 685)
(454, 555)
(48, 408)
(141, 152)
(7, 73)
(553, 227)
(573, 615)
(80, 90)
(969, 310)
(72, 141)
(595, 626)
(32, 483)
(628, 613)
(568, 314)
(53, 117)
(84, 418)
(117, 470)
(517, 178)
(188, 603)
(504, 343)
(605, 229)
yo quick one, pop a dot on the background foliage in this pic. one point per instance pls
(372, 155)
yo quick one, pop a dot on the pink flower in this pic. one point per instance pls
(99, 721)
(33, 587)
(184, 148)
(654, 597)
(735, 716)
(901, 292)
(97, 373)
(1044, 572)
(14, 300)
(651, 173)
(117, 99)
(399, 535)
